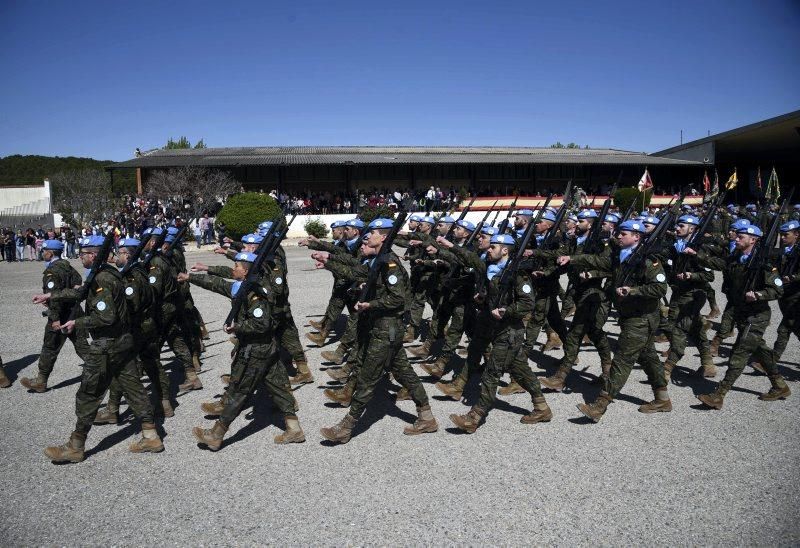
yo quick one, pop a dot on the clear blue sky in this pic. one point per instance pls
(98, 79)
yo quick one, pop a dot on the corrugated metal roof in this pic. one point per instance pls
(294, 156)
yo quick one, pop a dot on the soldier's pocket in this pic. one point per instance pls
(92, 381)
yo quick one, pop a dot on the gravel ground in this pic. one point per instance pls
(686, 477)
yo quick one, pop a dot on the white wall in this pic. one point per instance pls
(297, 230)
(21, 195)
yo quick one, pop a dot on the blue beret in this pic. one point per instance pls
(504, 239)
(252, 238)
(750, 207)
(93, 241)
(549, 216)
(245, 256)
(428, 219)
(381, 223)
(173, 230)
(752, 230)
(53, 245)
(632, 226)
(731, 207)
(415, 217)
(650, 220)
(686, 207)
(489, 230)
(129, 242)
(572, 217)
(170, 238)
(797, 206)
(154, 230)
(739, 224)
(791, 225)
(265, 225)
(689, 220)
(587, 214)
(337, 224)
(354, 223)
(463, 223)
(612, 218)
(524, 213)
(446, 219)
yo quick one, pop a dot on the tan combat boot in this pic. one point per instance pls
(192, 381)
(339, 374)
(715, 342)
(512, 388)
(196, 363)
(336, 356)
(660, 404)
(210, 437)
(425, 423)
(779, 390)
(293, 432)
(166, 408)
(204, 332)
(553, 342)
(318, 338)
(213, 408)
(597, 408)
(318, 325)
(469, 422)
(226, 379)
(149, 442)
(557, 381)
(715, 399)
(422, 351)
(453, 389)
(341, 432)
(668, 367)
(72, 451)
(303, 376)
(707, 367)
(342, 396)
(39, 384)
(409, 335)
(713, 314)
(4, 381)
(436, 369)
(403, 394)
(109, 415)
(758, 367)
(541, 412)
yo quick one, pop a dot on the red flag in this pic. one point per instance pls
(706, 183)
(645, 182)
(758, 179)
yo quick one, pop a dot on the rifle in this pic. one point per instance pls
(99, 260)
(699, 233)
(509, 274)
(253, 278)
(636, 259)
(159, 241)
(178, 236)
(386, 248)
(594, 239)
(562, 212)
(759, 257)
(132, 260)
(479, 226)
(496, 215)
(278, 235)
(449, 235)
(504, 224)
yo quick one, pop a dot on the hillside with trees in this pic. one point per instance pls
(25, 170)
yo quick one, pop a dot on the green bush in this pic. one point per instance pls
(379, 212)
(315, 227)
(243, 212)
(624, 197)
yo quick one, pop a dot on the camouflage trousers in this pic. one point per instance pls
(175, 338)
(51, 347)
(545, 309)
(635, 343)
(590, 317)
(421, 292)
(107, 362)
(685, 309)
(454, 330)
(335, 305)
(255, 365)
(380, 350)
(287, 335)
(790, 323)
(150, 359)
(749, 342)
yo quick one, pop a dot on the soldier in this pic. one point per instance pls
(110, 357)
(788, 264)
(502, 327)
(522, 219)
(638, 306)
(337, 299)
(592, 307)
(190, 321)
(688, 281)
(58, 274)
(751, 315)
(139, 294)
(422, 288)
(380, 345)
(257, 359)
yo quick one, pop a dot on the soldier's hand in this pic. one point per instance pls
(318, 265)
(227, 240)
(183, 277)
(563, 260)
(417, 261)
(415, 243)
(479, 298)
(537, 274)
(750, 296)
(690, 251)
(585, 275)
(199, 267)
(441, 240)
(68, 327)
(684, 276)
(220, 251)
(361, 307)
(55, 326)
(41, 298)
(786, 279)
(623, 291)
(498, 313)
(303, 242)
(230, 328)
(431, 250)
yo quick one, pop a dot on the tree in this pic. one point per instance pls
(183, 142)
(202, 189)
(558, 144)
(243, 212)
(83, 196)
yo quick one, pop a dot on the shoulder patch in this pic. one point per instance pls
(778, 282)
(129, 290)
(392, 279)
(661, 278)
(526, 288)
(258, 312)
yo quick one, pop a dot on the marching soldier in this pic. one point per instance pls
(788, 264)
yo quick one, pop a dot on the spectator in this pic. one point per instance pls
(198, 234)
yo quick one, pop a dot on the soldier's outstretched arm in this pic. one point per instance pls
(212, 283)
(221, 271)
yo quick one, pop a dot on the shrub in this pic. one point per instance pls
(315, 227)
(624, 197)
(243, 212)
(379, 212)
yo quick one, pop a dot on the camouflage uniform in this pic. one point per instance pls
(789, 303)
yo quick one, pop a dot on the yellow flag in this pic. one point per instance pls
(731, 184)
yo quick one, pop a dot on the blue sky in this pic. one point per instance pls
(101, 78)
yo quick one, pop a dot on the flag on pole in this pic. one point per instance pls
(759, 187)
(645, 182)
(706, 183)
(773, 192)
(732, 181)
(715, 186)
